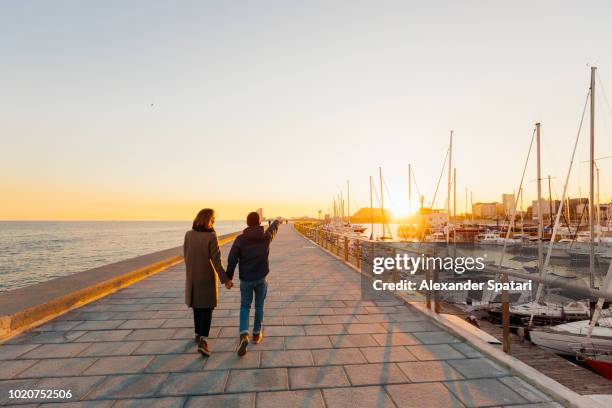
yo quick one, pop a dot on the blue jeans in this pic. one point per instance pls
(247, 288)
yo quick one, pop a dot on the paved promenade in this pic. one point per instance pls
(323, 347)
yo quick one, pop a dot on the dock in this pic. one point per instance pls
(324, 346)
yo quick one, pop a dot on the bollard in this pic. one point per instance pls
(346, 249)
(505, 316)
(358, 254)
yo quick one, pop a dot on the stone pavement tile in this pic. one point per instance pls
(99, 325)
(374, 374)
(80, 404)
(6, 386)
(350, 311)
(57, 336)
(151, 334)
(269, 343)
(272, 331)
(407, 317)
(12, 351)
(57, 325)
(188, 333)
(176, 363)
(104, 335)
(110, 348)
(143, 324)
(324, 329)
(395, 339)
(525, 390)
(57, 367)
(118, 365)
(194, 383)
(484, 392)
(389, 303)
(435, 352)
(317, 377)
(549, 404)
(78, 315)
(387, 354)
(230, 360)
(353, 340)
(353, 303)
(316, 311)
(337, 356)
(289, 358)
(338, 319)
(375, 318)
(284, 399)
(478, 368)
(174, 314)
(222, 401)
(436, 337)
(467, 350)
(423, 371)
(78, 386)
(162, 402)
(262, 379)
(164, 346)
(410, 327)
(56, 350)
(11, 368)
(301, 320)
(383, 309)
(365, 328)
(188, 322)
(128, 386)
(424, 395)
(307, 342)
(362, 397)
(145, 314)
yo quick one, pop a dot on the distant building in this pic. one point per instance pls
(508, 203)
(488, 210)
(433, 218)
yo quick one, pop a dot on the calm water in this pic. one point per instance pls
(33, 251)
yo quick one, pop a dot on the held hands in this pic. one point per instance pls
(229, 284)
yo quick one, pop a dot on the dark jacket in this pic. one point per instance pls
(250, 250)
(203, 269)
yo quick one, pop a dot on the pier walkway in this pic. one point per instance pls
(324, 347)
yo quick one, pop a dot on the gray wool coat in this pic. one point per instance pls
(203, 269)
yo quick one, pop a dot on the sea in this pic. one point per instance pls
(36, 251)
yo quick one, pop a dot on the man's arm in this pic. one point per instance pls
(272, 230)
(215, 257)
(232, 259)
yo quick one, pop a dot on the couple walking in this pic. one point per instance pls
(204, 269)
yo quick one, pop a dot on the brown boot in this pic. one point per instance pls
(242, 345)
(258, 337)
(203, 348)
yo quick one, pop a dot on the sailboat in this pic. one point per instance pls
(595, 334)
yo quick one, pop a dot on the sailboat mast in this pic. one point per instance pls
(382, 200)
(348, 202)
(455, 194)
(409, 188)
(371, 212)
(592, 183)
(540, 209)
(550, 204)
(448, 195)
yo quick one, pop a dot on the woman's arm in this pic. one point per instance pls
(215, 258)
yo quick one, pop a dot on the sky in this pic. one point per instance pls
(151, 110)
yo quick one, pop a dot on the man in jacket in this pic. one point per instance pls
(250, 251)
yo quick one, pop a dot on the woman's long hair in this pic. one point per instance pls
(202, 220)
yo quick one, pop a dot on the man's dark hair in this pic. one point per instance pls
(253, 219)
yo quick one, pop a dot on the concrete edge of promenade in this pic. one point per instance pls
(557, 391)
(24, 308)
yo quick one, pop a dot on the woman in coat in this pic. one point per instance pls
(203, 270)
